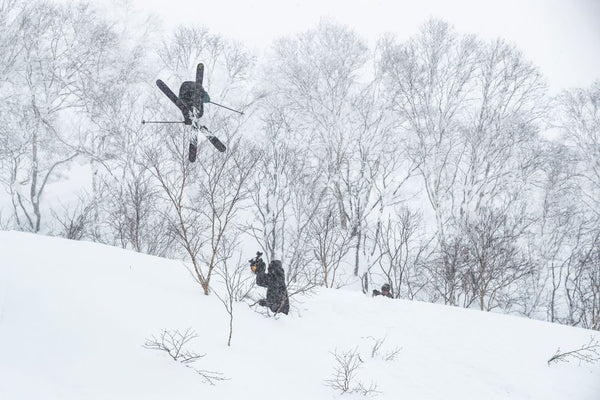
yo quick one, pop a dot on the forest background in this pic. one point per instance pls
(440, 163)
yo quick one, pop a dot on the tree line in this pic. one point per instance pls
(439, 164)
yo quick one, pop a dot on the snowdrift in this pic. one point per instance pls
(74, 318)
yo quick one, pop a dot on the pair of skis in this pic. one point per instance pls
(192, 116)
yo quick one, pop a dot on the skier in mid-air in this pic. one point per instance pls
(190, 101)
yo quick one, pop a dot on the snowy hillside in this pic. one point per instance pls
(74, 317)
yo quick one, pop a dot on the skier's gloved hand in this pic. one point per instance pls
(257, 265)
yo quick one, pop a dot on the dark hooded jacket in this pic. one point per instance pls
(385, 291)
(277, 297)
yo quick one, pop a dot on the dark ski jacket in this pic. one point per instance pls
(277, 297)
(186, 94)
(378, 293)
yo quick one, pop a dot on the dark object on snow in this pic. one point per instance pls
(274, 280)
(385, 291)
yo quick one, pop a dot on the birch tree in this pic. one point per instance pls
(56, 44)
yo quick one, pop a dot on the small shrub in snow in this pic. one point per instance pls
(344, 379)
(173, 342)
(589, 353)
(390, 355)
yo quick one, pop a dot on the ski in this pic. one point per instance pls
(211, 138)
(173, 97)
(198, 100)
(193, 148)
(216, 142)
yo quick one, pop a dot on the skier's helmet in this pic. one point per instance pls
(385, 288)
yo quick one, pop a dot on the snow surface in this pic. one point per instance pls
(74, 317)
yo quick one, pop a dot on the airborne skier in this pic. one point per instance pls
(190, 101)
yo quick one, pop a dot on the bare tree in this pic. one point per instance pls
(335, 118)
(330, 243)
(472, 110)
(494, 259)
(579, 120)
(203, 202)
(8, 35)
(429, 79)
(287, 195)
(237, 281)
(556, 226)
(203, 198)
(132, 210)
(401, 254)
(58, 45)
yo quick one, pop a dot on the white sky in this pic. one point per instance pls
(561, 36)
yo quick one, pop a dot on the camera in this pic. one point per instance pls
(257, 264)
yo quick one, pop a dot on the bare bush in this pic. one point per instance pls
(75, 221)
(376, 349)
(589, 353)
(344, 379)
(173, 342)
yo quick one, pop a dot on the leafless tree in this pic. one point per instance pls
(204, 197)
(132, 210)
(336, 119)
(59, 46)
(580, 122)
(9, 10)
(237, 281)
(429, 79)
(582, 281)
(472, 111)
(286, 196)
(579, 119)
(203, 202)
(494, 259)
(330, 243)
(557, 222)
(402, 254)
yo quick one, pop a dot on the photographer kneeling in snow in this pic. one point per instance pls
(385, 291)
(274, 280)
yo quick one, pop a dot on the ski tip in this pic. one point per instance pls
(217, 143)
(200, 66)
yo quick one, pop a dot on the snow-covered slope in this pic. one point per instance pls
(74, 317)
